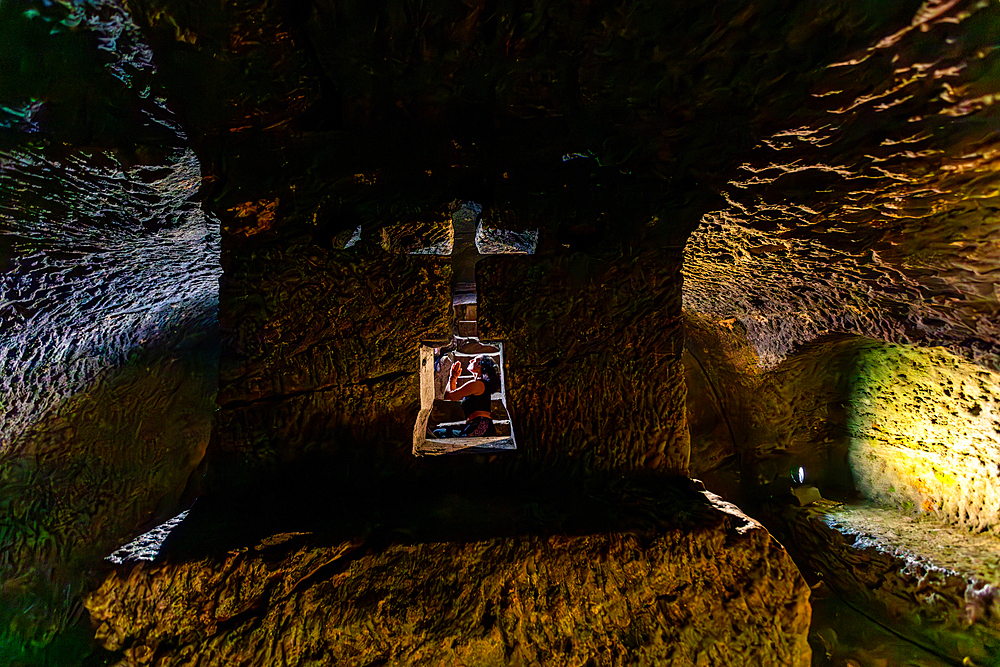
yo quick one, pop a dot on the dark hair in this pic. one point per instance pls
(490, 374)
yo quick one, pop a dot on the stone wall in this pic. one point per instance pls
(722, 374)
(108, 368)
(904, 438)
(320, 353)
(593, 348)
(907, 427)
(925, 434)
(320, 356)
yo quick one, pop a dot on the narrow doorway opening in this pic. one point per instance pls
(440, 421)
(461, 416)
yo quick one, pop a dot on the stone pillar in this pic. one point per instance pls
(464, 257)
(595, 376)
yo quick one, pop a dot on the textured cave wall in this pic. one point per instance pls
(925, 434)
(767, 423)
(850, 141)
(303, 144)
(871, 207)
(907, 427)
(904, 438)
(722, 373)
(366, 131)
(320, 354)
(593, 347)
(643, 574)
(108, 312)
(109, 359)
(853, 142)
(799, 418)
(902, 426)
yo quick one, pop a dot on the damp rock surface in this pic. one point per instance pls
(705, 586)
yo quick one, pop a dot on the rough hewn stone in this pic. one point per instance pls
(108, 369)
(930, 582)
(320, 351)
(908, 427)
(852, 142)
(912, 430)
(701, 584)
(925, 434)
(722, 375)
(872, 208)
(574, 324)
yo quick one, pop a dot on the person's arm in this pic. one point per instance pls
(470, 388)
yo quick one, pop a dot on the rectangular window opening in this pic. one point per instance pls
(436, 414)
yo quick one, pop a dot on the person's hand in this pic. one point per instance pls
(456, 369)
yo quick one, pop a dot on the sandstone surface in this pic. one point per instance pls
(643, 577)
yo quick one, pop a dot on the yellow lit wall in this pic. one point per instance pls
(924, 431)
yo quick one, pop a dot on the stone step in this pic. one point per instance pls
(495, 421)
(438, 446)
(474, 346)
(466, 311)
(450, 412)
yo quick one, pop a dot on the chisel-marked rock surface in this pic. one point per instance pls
(571, 325)
(320, 353)
(871, 207)
(672, 576)
(108, 367)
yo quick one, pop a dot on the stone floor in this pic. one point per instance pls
(926, 583)
(921, 538)
(658, 573)
(842, 636)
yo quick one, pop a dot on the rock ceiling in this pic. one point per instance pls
(838, 155)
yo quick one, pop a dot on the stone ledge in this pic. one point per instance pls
(434, 446)
(684, 579)
(930, 582)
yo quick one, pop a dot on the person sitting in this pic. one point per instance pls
(476, 396)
